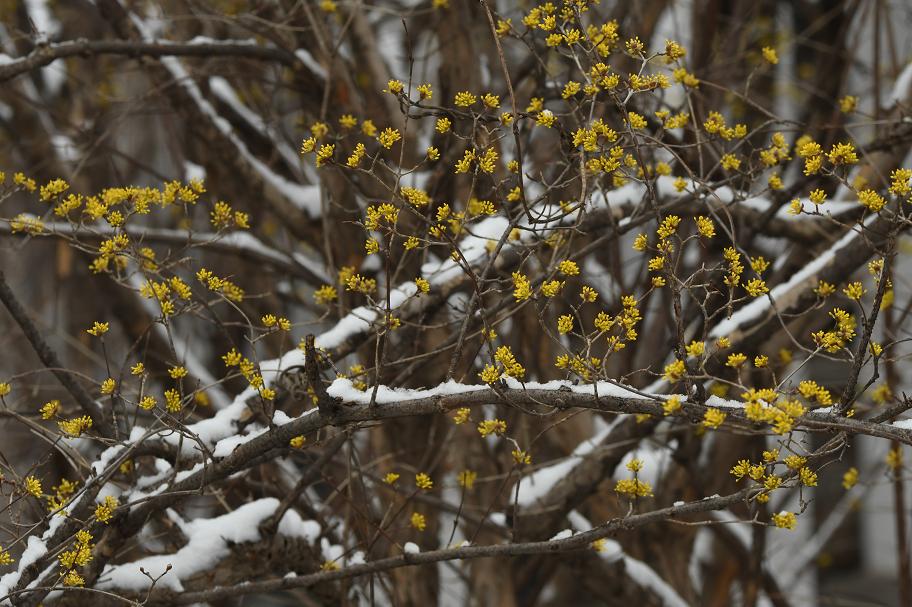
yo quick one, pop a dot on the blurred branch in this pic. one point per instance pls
(45, 54)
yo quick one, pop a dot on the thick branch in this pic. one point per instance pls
(48, 53)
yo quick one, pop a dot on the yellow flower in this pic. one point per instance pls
(636, 121)
(900, 182)
(368, 128)
(461, 416)
(695, 349)
(545, 118)
(872, 200)
(824, 289)
(568, 268)
(418, 521)
(75, 427)
(466, 479)
(550, 288)
(756, 287)
(325, 153)
(634, 46)
(177, 372)
(741, 469)
(388, 137)
(172, 401)
(72, 578)
(423, 481)
(425, 91)
(785, 520)
(674, 371)
(98, 329)
(490, 374)
(356, 156)
(53, 189)
(850, 478)
(730, 162)
(735, 360)
(522, 458)
(848, 104)
(319, 130)
(394, 87)
(770, 55)
(104, 511)
(633, 487)
(108, 385)
(297, 442)
(565, 324)
(50, 409)
(492, 426)
(894, 458)
(672, 405)
(361, 284)
(33, 486)
(465, 99)
(673, 50)
(843, 153)
(854, 290)
(713, 418)
(325, 294)
(705, 226)
(390, 478)
(808, 477)
(491, 101)
(522, 288)
(795, 462)
(817, 196)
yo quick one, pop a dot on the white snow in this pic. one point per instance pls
(905, 424)
(784, 294)
(208, 542)
(536, 485)
(641, 573)
(902, 89)
(308, 60)
(194, 171)
(344, 388)
(302, 196)
(411, 548)
(292, 525)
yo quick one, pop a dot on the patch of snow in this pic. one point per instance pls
(209, 540)
(411, 548)
(308, 60)
(344, 388)
(902, 89)
(536, 485)
(784, 294)
(194, 171)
